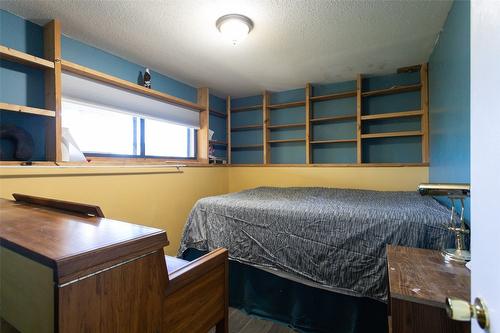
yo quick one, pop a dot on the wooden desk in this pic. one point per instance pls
(419, 282)
(63, 272)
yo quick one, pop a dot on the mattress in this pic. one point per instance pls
(327, 237)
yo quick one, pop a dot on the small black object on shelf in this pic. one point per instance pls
(147, 78)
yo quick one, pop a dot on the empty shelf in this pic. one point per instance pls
(286, 140)
(287, 105)
(392, 90)
(246, 127)
(24, 58)
(333, 118)
(27, 109)
(247, 108)
(286, 126)
(333, 141)
(391, 134)
(328, 97)
(393, 115)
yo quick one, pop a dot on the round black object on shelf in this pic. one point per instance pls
(22, 140)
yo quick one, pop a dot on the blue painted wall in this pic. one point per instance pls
(449, 97)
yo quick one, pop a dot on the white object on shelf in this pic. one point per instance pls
(69, 148)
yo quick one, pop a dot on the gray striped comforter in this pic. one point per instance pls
(332, 237)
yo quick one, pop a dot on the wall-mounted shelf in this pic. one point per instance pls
(27, 109)
(286, 140)
(392, 90)
(334, 118)
(247, 108)
(246, 127)
(391, 134)
(287, 105)
(391, 115)
(286, 126)
(218, 114)
(340, 119)
(332, 141)
(24, 58)
(328, 97)
(99, 76)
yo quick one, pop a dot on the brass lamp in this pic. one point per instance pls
(454, 192)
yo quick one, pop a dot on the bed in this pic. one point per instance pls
(325, 238)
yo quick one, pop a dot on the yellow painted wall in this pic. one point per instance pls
(372, 178)
(149, 196)
(161, 200)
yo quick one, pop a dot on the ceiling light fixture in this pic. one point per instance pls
(234, 27)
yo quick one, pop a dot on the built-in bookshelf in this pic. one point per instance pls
(41, 121)
(218, 120)
(373, 120)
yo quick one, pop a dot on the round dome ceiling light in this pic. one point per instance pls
(234, 27)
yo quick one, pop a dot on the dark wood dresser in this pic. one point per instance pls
(419, 282)
(64, 271)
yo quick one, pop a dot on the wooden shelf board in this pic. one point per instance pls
(99, 76)
(286, 126)
(328, 97)
(218, 114)
(27, 109)
(247, 108)
(392, 90)
(246, 146)
(286, 140)
(334, 118)
(287, 105)
(247, 127)
(401, 114)
(391, 134)
(335, 165)
(24, 58)
(217, 142)
(333, 141)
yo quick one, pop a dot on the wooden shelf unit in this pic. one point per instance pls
(52, 86)
(327, 119)
(423, 113)
(99, 76)
(358, 118)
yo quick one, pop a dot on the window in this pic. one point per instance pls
(106, 132)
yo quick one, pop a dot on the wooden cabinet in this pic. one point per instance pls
(65, 271)
(419, 282)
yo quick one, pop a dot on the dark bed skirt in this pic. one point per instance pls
(301, 307)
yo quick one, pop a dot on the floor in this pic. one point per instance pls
(239, 322)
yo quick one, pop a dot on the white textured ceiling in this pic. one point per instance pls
(293, 41)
